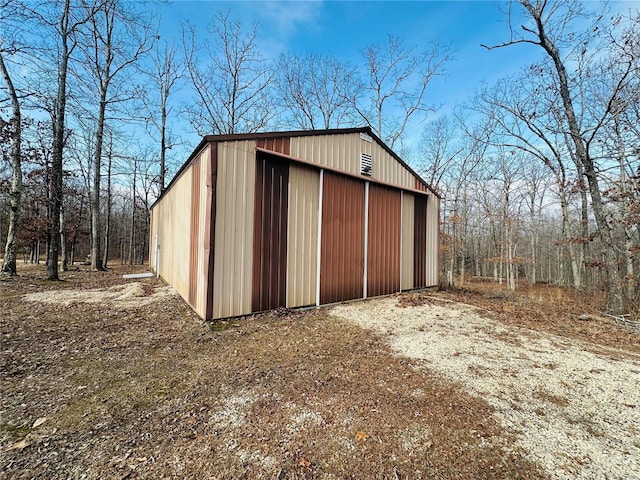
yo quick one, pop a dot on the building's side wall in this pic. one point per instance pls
(235, 192)
(343, 152)
(172, 224)
(177, 234)
(302, 236)
(433, 239)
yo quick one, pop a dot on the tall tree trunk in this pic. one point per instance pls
(9, 262)
(163, 146)
(58, 146)
(63, 242)
(107, 220)
(615, 300)
(96, 259)
(133, 218)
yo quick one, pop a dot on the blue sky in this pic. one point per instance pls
(345, 28)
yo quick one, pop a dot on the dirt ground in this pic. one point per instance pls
(108, 378)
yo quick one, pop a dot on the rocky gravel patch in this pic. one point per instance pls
(574, 407)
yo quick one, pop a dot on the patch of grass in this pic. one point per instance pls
(153, 392)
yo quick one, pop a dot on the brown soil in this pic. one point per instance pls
(90, 390)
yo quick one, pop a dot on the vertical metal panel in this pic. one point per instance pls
(432, 240)
(270, 235)
(235, 191)
(407, 240)
(302, 236)
(280, 144)
(195, 232)
(342, 255)
(383, 262)
(210, 232)
(420, 242)
(203, 226)
(419, 185)
(342, 152)
(153, 241)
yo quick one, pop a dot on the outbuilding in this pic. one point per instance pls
(254, 222)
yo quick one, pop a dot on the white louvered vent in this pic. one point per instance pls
(366, 166)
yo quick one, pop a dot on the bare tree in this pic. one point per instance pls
(318, 90)
(15, 132)
(230, 77)
(548, 29)
(440, 147)
(395, 86)
(117, 39)
(165, 71)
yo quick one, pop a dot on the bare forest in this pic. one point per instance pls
(539, 171)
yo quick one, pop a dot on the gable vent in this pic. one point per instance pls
(366, 166)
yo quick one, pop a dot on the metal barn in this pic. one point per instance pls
(253, 222)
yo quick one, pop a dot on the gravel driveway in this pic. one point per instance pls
(573, 406)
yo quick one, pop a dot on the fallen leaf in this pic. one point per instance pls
(304, 463)
(39, 422)
(361, 436)
(19, 445)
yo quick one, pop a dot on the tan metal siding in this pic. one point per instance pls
(203, 226)
(270, 235)
(342, 152)
(195, 232)
(173, 226)
(383, 250)
(432, 240)
(342, 249)
(302, 237)
(407, 241)
(234, 229)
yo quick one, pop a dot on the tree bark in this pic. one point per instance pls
(615, 300)
(9, 262)
(107, 220)
(55, 196)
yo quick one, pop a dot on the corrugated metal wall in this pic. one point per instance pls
(195, 232)
(383, 246)
(408, 222)
(432, 240)
(302, 236)
(254, 258)
(270, 235)
(420, 242)
(342, 242)
(342, 152)
(234, 229)
(280, 145)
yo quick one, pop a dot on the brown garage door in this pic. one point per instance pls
(342, 242)
(270, 235)
(383, 251)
